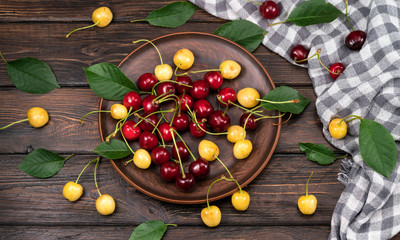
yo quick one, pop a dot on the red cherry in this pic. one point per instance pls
(214, 79)
(202, 108)
(227, 96)
(355, 40)
(200, 89)
(148, 141)
(185, 184)
(165, 132)
(146, 82)
(269, 10)
(336, 68)
(199, 168)
(169, 171)
(251, 122)
(181, 122)
(149, 104)
(160, 155)
(185, 100)
(182, 150)
(184, 80)
(197, 131)
(132, 100)
(146, 125)
(129, 130)
(166, 89)
(219, 121)
(298, 53)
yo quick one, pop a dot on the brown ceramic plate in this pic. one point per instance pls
(209, 50)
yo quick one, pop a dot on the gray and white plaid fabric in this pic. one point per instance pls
(369, 207)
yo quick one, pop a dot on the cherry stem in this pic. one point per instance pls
(240, 189)
(145, 40)
(244, 127)
(171, 224)
(23, 120)
(209, 188)
(177, 152)
(155, 126)
(126, 142)
(274, 102)
(153, 89)
(95, 177)
(187, 147)
(264, 117)
(254, 2)
(97, 111)
(307, 183)
(194, 118)
(245, 109)
(96, 159)
(272, 24)
(347, 15)
(95, 24)
(139, 20)
(319, 59)
(1, 55)
(342, 156)
(226, 109)
(299, 61)
(70, 156)
(177, 67)
(290, 116)
(199, 71)
(144, 118)
(234, 180)
(352, 117)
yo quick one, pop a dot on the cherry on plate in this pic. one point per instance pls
(160, 155)
(199, 168)
(130, 132)
(147, 81)
(181, 122)
(169, 171)
(214, 80)
(185, 184)
(202, 108)
(183, 80)
(200, 89)
(219, 121)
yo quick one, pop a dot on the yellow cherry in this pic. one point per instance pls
(208, 150)
(183, 59)
(72, 191)
(118, 111)
(37, 117)
(230, 69)
(307, 204)
(240, 200)
(247, 97)
(211, 216)
(337, 129)
(105, 204)
(235, 133)
(142, 159)
(101, 17)
(242, 149)
(163, 72)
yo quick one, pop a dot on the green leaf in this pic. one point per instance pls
(42, 163)
(282, 94)
(243, 32)
(115, 149)
(318, 153)
(313, 12)
(172, 15)
(108, 81)
(377, 147)
(150, 230)
(32, 75)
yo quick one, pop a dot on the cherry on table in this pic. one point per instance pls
(355, 40)
(148, 122)
(183, 80)
(200, 89)
(149, 104)
(165, 132)
(199, 168)
(169, 171)
(182, 150)
(269, 10)
(160, 155)
(185, 184)
(196, 130)
(147, 81)
(336, 68)
(185, 99)
(129, 130)
(203, 108)
(251, 122)
(132, 100)
(147, 140)
(219, 121)
(214, 79)
(181, 122)
(166, 89)
(226, 96)
(299, 53)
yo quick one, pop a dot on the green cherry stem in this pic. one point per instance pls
(171, 224)
(9, 125)
(342, 156)
(194, 118)
(97, 111)
(177, 67)
(299, 61)
(199, 71)
(347, 15)
(307, 183)
(172, 81)
(177, 152)
(1, 55)
(145, 40)
(219, 160)
(244, 127)
(319, 59)
(347, 120)
(70, 156)
(272, 24)
(139, 20)
(245, 109)
(126, 142)
(154, 125)
(95, 177)
(254, 2)
(96, 159)
(95, 24)
(209, 188)
(274, 102)
(264, 117)
(187, 147)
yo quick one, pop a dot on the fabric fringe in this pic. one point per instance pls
(343, 175)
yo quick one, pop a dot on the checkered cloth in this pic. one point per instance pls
(369, 207)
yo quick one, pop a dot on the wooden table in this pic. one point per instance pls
(34, 208)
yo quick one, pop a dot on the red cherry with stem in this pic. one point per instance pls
(185, 184)
(132, 100)
(219, 121)
(299, 53)
(165, 132)
(182, 150)
(200, 89)
(355, 40)
(169, 171)
(166, 89)
(203, 108)
(226, 96)
(251, 122)
(196, 130)
(183, 80)
(149, 104)
(184, 100)
(269, 10)
(148, 141)
(160, 155)
(129, 130)
(147, 81)
(181, 122)
(214, 80)
(199, 168)
(336, 68)
(147, 123)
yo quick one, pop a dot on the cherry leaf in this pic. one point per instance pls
(115, 149)
(318, 153)
(154, 230)
(282, 94)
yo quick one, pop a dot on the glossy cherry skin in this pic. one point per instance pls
(149, 105)
(214, 80)
(147, 81)
(166, 89)
(185, 184)
(132, 100)
(185, 101)
(169, 171)
(226, 96)
(160, 155)
(184, 80)
(251, 123)
(219, 121)
(131, 133)
(182, 150)
(165, 132)
(336, 68)
(200, 89)
(199, 168)
(146, 125)
(269, 10)
(202, 108)
(195, 130)
(298, 53)
(148, 141)
(181, 122)
(355, 40)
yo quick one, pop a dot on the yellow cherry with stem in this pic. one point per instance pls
(229, 69)
(163, 71)
(183, 59)
(338, 127)
(101, 17)
(105, 204)
(242, 149)
(307, 204)
(117, 111)
(36, 116)
(248, 97)
(236, 133)
(208, 150)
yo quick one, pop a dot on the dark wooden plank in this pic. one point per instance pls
(29, 201)
(112, 44)
(124, 232)
(66, 106)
